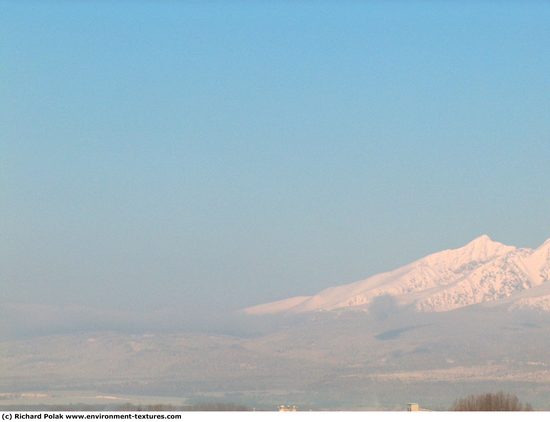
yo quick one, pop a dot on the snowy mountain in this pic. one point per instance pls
(481, 271)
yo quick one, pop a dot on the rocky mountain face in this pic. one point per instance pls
(483, 271)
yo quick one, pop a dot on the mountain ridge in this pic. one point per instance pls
(481, 271)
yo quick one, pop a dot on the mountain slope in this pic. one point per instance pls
(481, 271)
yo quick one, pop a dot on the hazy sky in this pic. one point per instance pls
(213, 155)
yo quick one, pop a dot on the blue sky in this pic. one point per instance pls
(213, 155)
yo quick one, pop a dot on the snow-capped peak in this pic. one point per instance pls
(483, 248)
(479, 250)
(483, 239)
(483, 270)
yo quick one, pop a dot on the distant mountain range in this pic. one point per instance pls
(464, 321)
(483, 271)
